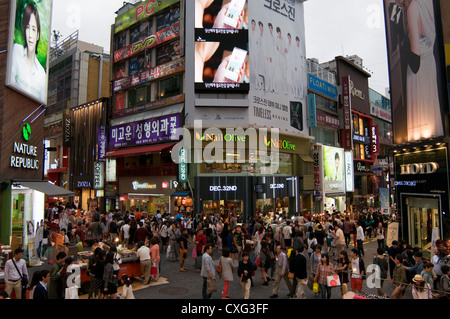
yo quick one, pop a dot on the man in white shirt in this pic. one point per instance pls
(360, 239)
(15, 269)
(143, 253)
(287, 234)
(125, 232)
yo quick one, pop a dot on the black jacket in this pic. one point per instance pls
(40, 292)
(298, 266)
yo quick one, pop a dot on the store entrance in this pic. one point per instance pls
(223, 207)
(275, 205)
(423, 216)
(148, 204)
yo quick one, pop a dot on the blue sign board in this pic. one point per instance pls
(312, 113)
(322, 87)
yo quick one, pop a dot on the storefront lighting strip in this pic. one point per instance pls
(156, 195)
(420, 151)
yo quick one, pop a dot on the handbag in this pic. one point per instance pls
(24, 278)
(333, 281)
(311, 282)
(316, 288)
(258, 261)
(211, 285)
(291, 275)
(153, 270)
(194, 253)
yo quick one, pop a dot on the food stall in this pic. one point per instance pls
(130, 266)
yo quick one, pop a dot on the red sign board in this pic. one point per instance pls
(347, 139)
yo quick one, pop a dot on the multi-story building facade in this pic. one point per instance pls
(79, 73)
(169, 71)
(420, 106)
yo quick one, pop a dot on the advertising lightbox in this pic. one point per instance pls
(278, 73)
(333, 170)
(416, 69)
(28, 48)
(221, 46)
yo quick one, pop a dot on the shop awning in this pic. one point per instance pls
(46, 188)
(306, 158)
(143, 150)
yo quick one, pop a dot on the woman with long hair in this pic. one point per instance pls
(324, 270)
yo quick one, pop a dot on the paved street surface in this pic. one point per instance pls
(188, 285)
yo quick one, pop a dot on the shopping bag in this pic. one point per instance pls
(194, 253)
(153, 270)
(333, 281)
(168, 252)
(211, 285)
(316, 288)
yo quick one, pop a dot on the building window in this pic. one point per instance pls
(168, 17)
(138, 96)
(168, 52)
(120, 41)
(170, 87)
(140, 32)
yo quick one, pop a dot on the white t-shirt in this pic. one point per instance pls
(356, 273)
(126, 231)
(143, 253)
(287, 232)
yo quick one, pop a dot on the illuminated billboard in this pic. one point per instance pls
(221, 46)
(333, 170)
(278, 73)
(415, 65)
(28, 48)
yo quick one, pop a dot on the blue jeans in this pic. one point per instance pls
(325, 291)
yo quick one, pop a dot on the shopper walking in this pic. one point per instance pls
(227, 269)
(299, 269)
(324, 270)
(281, 273)
(208, 270)
(245, 270)
(15, 270)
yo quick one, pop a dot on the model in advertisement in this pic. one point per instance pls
(423, 108)
(27, 72)
(224, 14)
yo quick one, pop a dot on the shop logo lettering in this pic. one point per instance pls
(149, 8)
(137, 186)
(419, 168)
(231, 146)
(222, 188)
(276, 186)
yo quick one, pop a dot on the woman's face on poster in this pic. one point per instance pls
(32, 34)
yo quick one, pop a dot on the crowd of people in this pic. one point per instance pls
(306, 252)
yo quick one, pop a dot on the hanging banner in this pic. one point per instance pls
(347, 140)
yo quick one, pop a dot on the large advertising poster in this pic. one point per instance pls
(333, 169)
(221, 46)
(28, 48)
(278, 86)
(416, 64)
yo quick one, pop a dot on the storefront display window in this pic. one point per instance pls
(284, 167)
(423, 216)
(223, 207)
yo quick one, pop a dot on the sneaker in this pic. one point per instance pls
(273, 296)
(43, 258)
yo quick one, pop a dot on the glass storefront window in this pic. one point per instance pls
(423, 216)
(284, 165)
(223, 207)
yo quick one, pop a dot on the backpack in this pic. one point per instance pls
(313, 244)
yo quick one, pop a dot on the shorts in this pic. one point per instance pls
(357, 284)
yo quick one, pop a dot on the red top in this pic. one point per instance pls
(201, 240)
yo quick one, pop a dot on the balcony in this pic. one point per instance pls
(147, 170)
